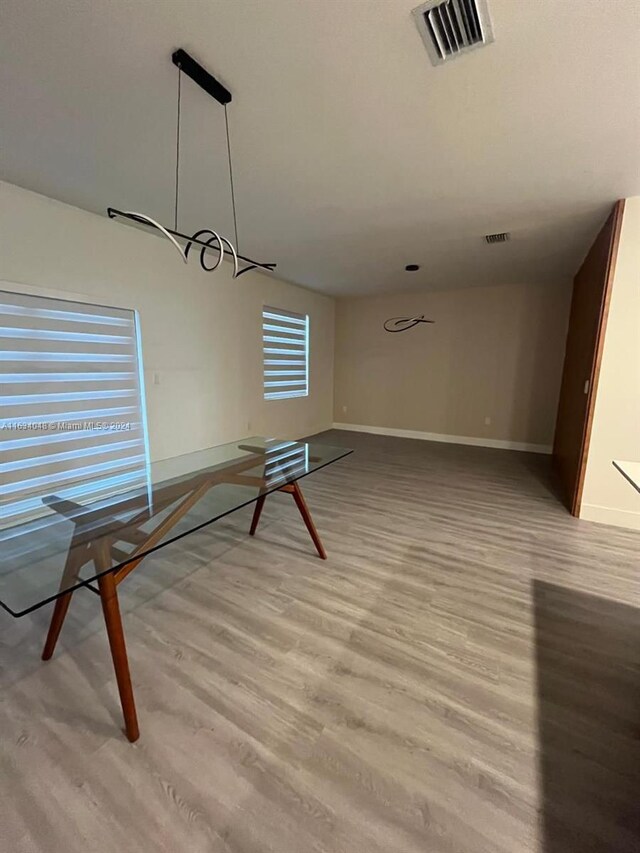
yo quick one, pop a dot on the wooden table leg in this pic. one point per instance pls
(75, 560)
(256, 514)
(59, 612)
(113, 621)
(295, 490)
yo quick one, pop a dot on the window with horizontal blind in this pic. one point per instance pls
(72, 416)
(285, 347)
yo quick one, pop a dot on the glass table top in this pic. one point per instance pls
(69, 543)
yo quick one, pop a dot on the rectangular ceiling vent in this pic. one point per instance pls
(503, 237)
(451, 27)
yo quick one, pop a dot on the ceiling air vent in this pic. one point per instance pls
(497, 238)
(451, 27)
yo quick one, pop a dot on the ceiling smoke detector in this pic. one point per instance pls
(452, 27)
(503, 237)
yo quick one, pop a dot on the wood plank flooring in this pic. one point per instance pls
(462, 675)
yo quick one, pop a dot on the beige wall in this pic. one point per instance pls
(201, 333)
(494, 352)
(607, 497)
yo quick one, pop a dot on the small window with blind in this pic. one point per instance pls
(285, 347)
(72, 420)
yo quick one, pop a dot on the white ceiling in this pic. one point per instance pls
(353, 155)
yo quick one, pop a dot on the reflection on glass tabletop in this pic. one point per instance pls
(48, 529)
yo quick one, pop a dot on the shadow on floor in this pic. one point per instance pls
(588, 685)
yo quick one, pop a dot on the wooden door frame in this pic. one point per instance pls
(617, 214)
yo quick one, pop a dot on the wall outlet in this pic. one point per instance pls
(344, 410)
(156, 377)
(487, 421)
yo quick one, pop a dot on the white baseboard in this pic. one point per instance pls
(609, 515)
(448, 439)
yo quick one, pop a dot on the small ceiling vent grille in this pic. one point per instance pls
(497, 238)
(451, 27)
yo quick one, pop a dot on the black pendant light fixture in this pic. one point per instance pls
(205, 239)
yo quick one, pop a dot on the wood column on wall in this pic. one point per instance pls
(585, 339)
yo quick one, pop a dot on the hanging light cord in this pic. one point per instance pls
(213, 241)
(175, 212)
(233, 195)
(177, 181)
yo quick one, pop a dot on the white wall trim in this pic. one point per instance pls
(497, 443)
(610, 515)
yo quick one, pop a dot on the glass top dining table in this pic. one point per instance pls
(56, 550)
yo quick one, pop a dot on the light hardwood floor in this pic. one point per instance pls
(461, 676)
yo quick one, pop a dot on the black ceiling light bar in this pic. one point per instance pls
(206, 239)
(201, 76)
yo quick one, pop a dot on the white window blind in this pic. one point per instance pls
(72, 412)
(285, 346)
